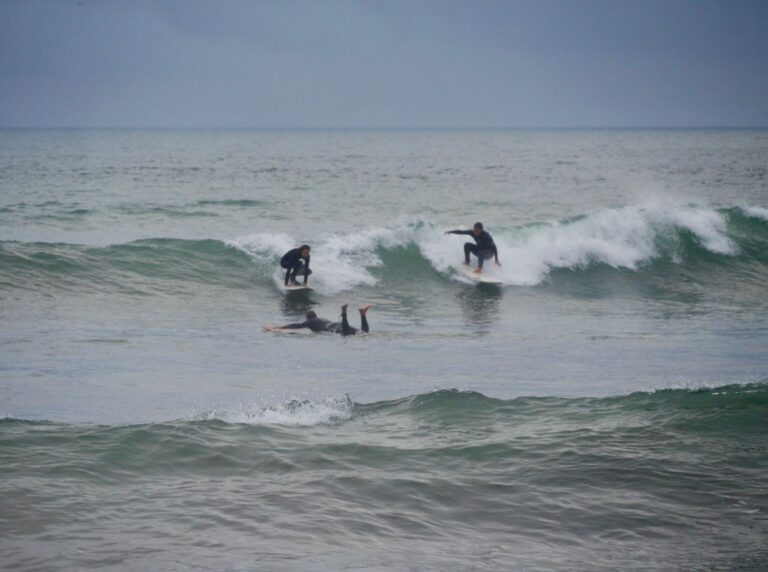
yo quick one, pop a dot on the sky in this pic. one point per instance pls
(436, 64)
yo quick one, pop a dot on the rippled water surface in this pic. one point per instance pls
(603, 408)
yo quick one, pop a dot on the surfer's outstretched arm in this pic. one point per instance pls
(296, 326)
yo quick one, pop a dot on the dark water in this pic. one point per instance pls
(604, 408)
(674, 479)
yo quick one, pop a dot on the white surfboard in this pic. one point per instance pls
(481, 278)
(292, 331)
(295, 288)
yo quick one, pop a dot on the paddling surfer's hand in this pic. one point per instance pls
(498, 263)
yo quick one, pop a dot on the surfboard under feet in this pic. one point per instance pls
(480, 278)
(296, 288)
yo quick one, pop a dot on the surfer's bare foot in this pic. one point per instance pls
(478, 270)
(365, 308)
(466, 263)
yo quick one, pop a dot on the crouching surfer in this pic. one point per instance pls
(295, 262)
(484, 247)
(317, 325)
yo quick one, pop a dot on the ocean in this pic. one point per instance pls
(604, 408)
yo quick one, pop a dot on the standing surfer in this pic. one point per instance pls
(295, 261)
(484, 247)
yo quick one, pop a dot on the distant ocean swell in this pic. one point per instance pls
(731, 411)
(73, 211)
(641, 239)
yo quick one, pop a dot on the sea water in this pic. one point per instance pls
(605, 408)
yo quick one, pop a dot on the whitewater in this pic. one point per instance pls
(604, 408)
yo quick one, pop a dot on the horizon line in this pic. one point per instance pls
(399, 128)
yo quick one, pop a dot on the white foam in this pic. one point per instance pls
(443, 252)
(292, 413)
(708, 225)
(339, 261)
(622, 238)
(756, 212)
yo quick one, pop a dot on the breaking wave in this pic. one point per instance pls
(635, 238)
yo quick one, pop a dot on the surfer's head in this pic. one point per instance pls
(311, 315)
(478, 228)
(304, 250)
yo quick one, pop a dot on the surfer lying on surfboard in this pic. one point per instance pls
(296, 261)
(318, 325)
(483, 248)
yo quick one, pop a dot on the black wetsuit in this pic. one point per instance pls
(318, 325)
(484, 247)
(294, 264)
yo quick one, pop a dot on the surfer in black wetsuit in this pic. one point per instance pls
(295, 261)
(318, 325)
(484, 247)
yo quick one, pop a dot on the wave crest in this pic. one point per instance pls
(632, 238)
(629, 237)
(297, 412)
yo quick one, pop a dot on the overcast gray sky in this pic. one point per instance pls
(415, 63)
